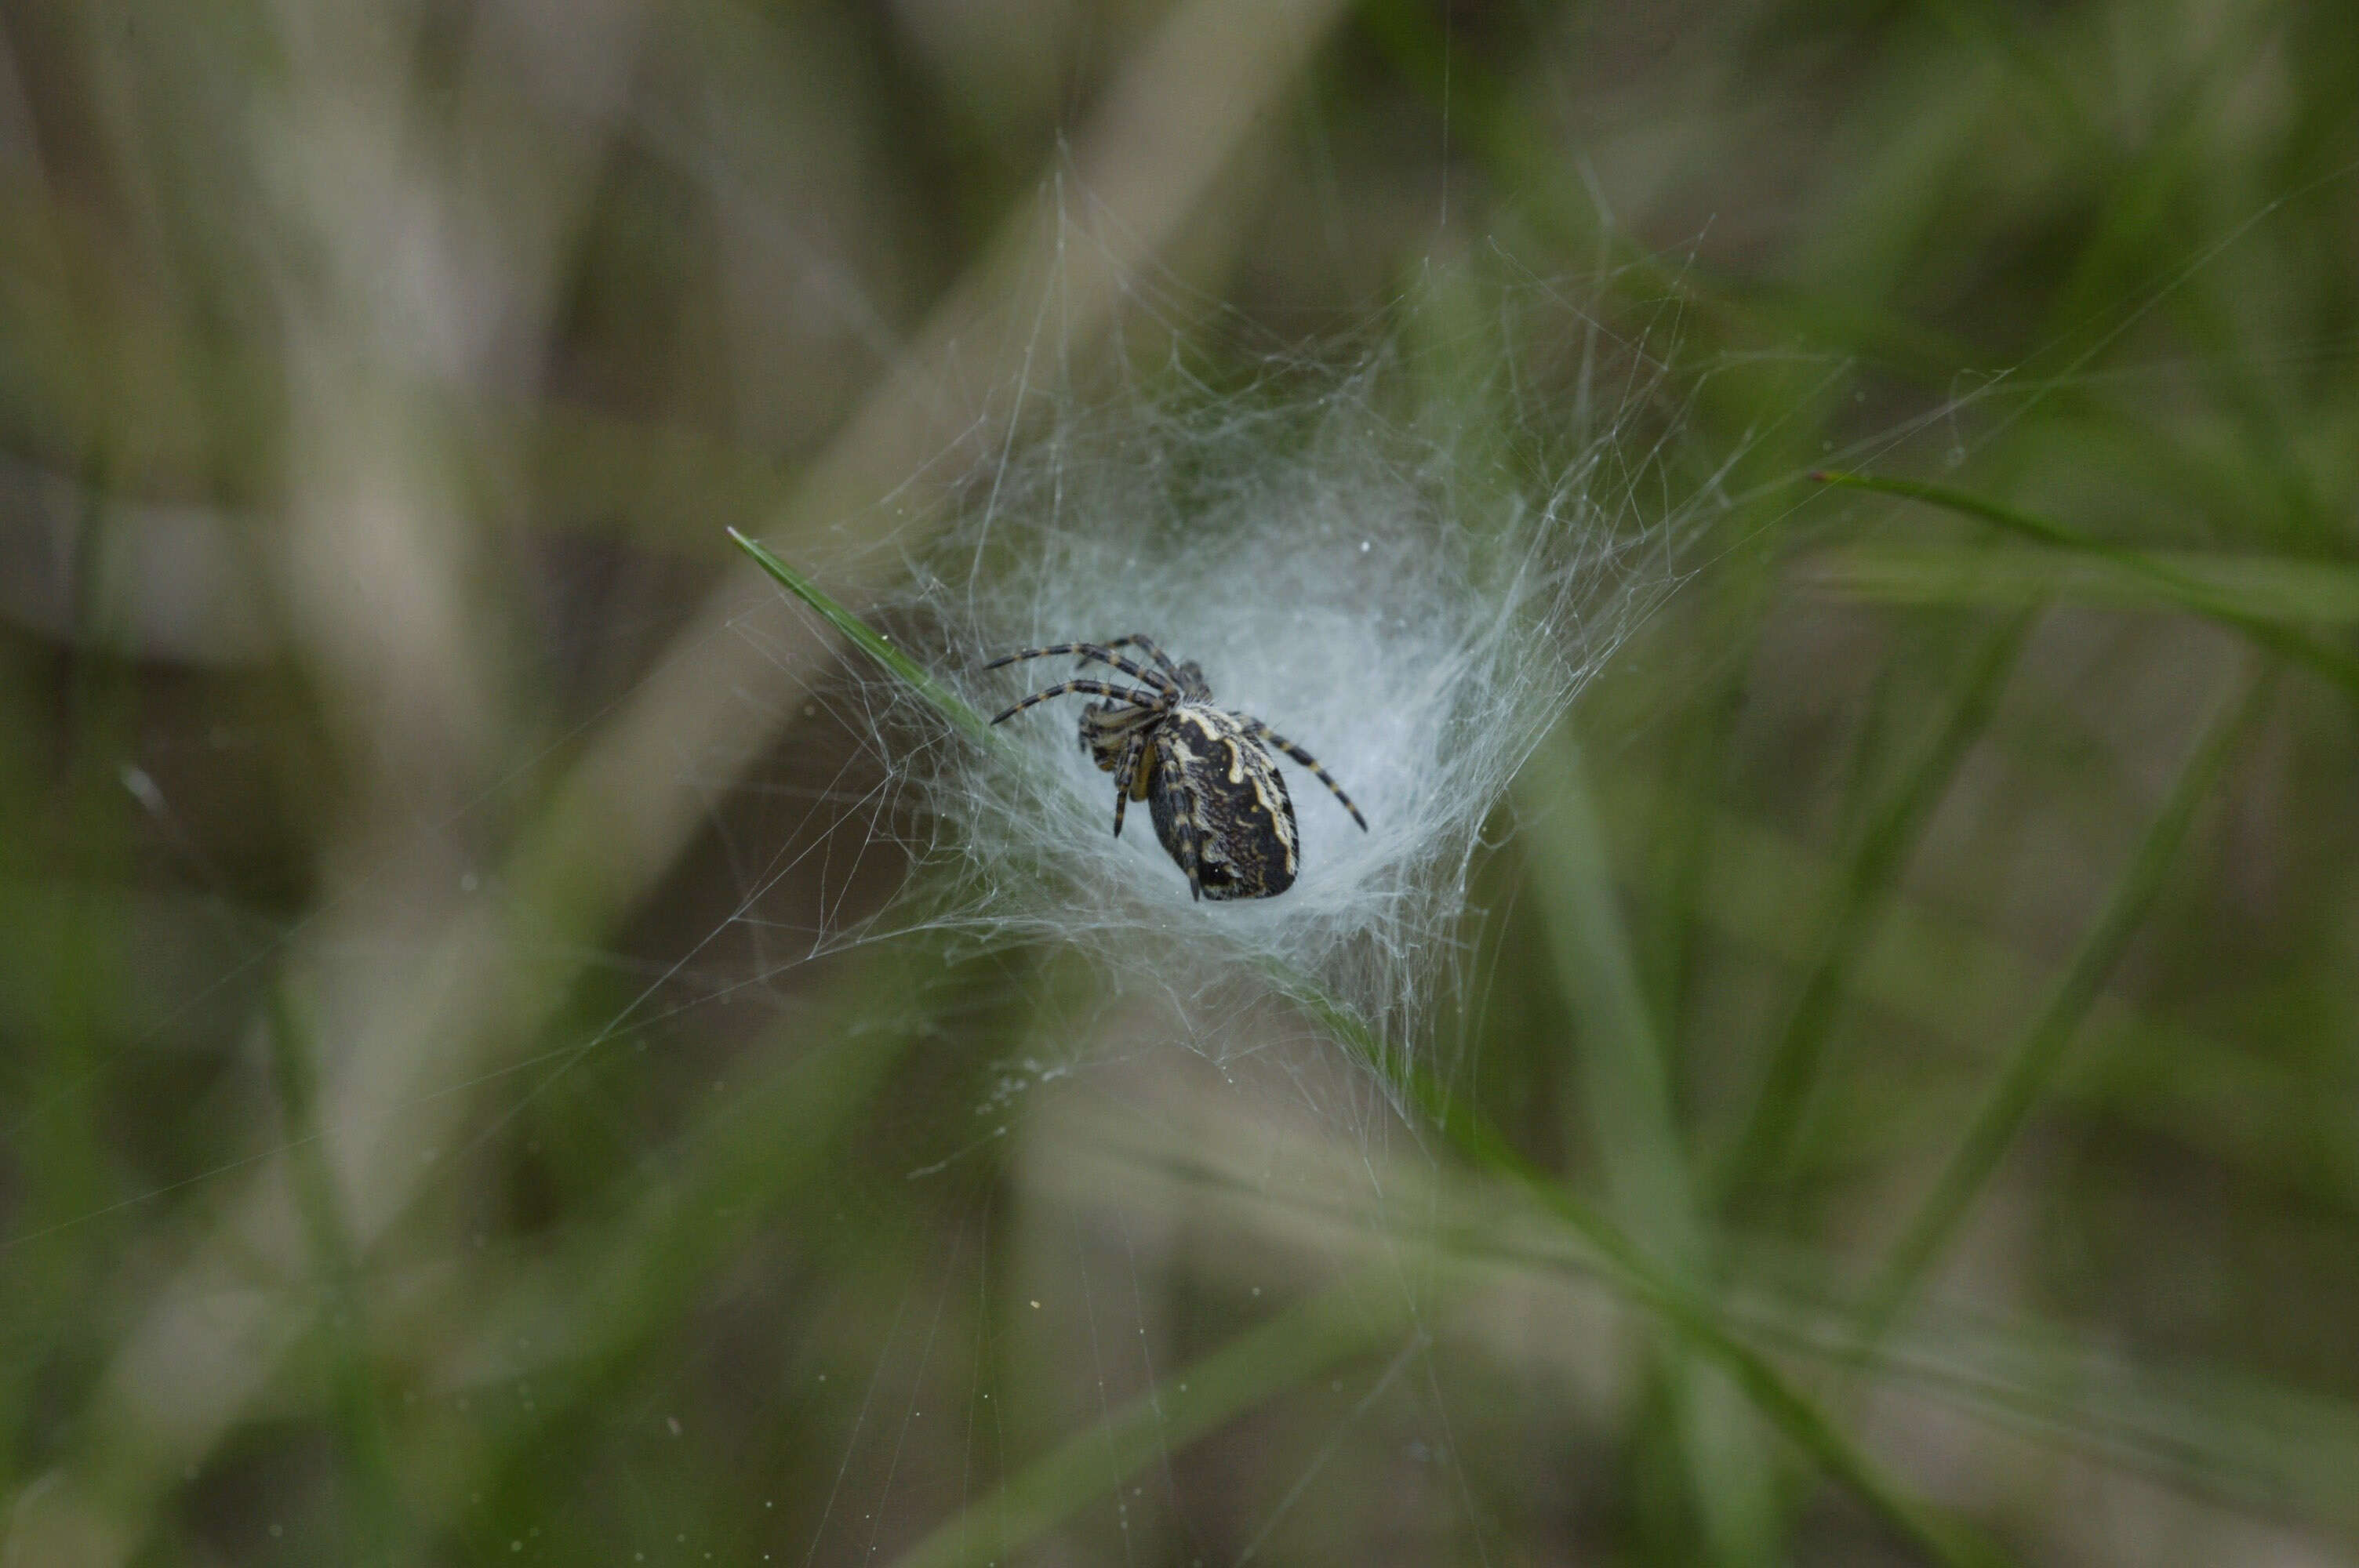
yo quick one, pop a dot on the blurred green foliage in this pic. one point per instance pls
(1903, 1100)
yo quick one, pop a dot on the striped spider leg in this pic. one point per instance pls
(1262, 732)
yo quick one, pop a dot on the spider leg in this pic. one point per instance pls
(1096, 651)
(1261, 731)
(1091, 687)
(1191, 860)
(1129, 777)
(1147, 644)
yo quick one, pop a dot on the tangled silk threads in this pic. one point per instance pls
(1379, 587)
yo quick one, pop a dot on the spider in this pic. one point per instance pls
(1220, 808)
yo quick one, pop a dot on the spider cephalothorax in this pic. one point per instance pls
(1220, 808)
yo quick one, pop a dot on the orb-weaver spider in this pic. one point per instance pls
(1220, 806)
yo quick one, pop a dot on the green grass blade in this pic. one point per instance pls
(1884, 847)
(868, 640)
(345, 1309)
(1628, 1269)
(2275, 588)
(1623, 1075)
(2032, 1066)
(1632, 1121)
(2188, 591)
(1525, 156)
(1340, 1325)
(774, 1157)
(1773, 1395)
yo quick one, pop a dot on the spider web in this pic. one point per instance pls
(1412, 587)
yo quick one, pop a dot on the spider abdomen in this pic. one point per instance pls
(1215, 782)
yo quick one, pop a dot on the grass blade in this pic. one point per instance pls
(2277, 588)
(2031, 1068)
(1340, 1325)
(2180, 587)
(1624, 1265)
(1633, 1122)
(1884, 847)
(869, 641)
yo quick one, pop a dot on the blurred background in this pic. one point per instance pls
(449, 1118)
